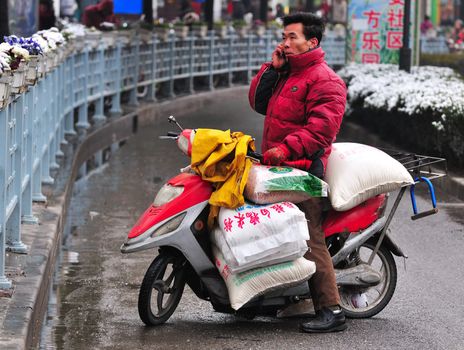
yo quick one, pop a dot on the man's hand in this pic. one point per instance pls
(276, 155)
(278, 57)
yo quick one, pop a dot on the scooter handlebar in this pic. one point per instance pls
(255, 155)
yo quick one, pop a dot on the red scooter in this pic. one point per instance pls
(357, 239)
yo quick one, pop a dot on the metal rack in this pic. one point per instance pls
(420, 165)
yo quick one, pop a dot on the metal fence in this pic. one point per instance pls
(436, 45)
(34, 123)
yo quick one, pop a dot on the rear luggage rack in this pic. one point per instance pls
(419, 165)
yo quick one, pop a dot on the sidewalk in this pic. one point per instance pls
(22, 311)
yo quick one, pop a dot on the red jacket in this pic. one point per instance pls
(304, 106)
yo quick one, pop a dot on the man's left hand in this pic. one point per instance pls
(276, 155)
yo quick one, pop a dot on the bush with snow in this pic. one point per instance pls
(424, 108)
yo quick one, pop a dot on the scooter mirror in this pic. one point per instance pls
(171, 119)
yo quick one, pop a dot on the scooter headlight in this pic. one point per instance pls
(168, 226)
(166, 194)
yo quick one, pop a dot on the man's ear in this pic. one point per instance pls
(313, 42)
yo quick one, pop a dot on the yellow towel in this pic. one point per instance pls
(220, 158)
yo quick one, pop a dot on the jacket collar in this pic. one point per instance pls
(305, 60)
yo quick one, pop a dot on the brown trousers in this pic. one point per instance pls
(324, 291)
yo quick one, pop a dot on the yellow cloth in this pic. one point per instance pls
(220, 158)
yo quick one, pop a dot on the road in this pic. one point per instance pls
(94, 301)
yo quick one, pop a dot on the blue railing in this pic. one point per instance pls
(33, 124)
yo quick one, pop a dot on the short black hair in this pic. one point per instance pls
(313, 25)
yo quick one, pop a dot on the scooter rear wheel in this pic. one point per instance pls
(367, 302)
(161, 289)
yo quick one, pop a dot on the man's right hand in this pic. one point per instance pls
(278, 57)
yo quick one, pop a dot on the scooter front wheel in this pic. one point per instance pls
(161, 289)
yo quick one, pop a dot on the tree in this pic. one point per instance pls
(4, 21)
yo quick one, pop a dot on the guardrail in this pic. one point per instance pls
(35, 120)
(436, 45)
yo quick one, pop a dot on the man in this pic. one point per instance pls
(95, 15)
(304, 102)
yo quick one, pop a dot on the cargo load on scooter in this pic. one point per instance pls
(357, 172)
(272, 184)
(244, 286)
(259, 235)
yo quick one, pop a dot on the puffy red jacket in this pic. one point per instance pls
(304, 106)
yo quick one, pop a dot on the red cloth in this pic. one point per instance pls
(306, 108)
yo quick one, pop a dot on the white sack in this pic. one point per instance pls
(256, 231)
(244, 286)
(357, 172)
(286, 252)
(271, 184)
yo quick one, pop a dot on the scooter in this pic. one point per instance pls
(357, 239)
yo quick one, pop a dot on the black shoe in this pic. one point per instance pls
(326, 321)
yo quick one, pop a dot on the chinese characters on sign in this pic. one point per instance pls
(375, 31)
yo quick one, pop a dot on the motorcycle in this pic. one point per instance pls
(358, 241)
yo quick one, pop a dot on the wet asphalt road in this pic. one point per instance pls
(94, 304)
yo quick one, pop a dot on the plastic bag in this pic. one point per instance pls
(254, 232)
(286, 252)
(270, 184)
(244, 286)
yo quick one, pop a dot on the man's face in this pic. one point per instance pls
(294, 40)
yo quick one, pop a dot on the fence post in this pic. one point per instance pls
(172, 40)
(211, 60)
(230, 75)
(38, 136)
(46, 123)
(249, 42)
(26, 211)
(69, 118)
(13, 225)
(116, 97)
(191, 85)
(99, 116)
(133, 92)
(83, 123)
(61, 140)
(151, 92)
(4, 282)
(54, 119)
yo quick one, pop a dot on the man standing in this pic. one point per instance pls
(304, 102)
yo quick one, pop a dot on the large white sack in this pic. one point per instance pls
(357, 172)
(244, 286)
(256, 231)
(286, 252)
(271, 184)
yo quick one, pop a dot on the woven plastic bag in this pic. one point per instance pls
(286, 252)
(254, 232)
(244, 286)
(271, 184)
(357, 172)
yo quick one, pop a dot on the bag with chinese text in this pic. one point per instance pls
(244, 286)
(256, 233)
(286, 252)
